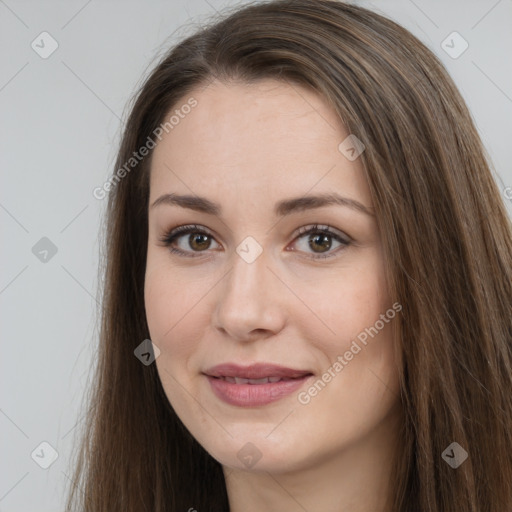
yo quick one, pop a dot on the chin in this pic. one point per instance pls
(256, 453)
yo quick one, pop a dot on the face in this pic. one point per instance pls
(266, 282)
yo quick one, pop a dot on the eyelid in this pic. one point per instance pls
(338, 235)
(172, 234)
(322, 227)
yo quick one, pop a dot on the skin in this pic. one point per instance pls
(246, 147)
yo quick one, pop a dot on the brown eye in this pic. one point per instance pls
(198, 240)
(315, 241)
(322, 241)
(319, 240)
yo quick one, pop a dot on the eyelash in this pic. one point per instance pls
(168, 239)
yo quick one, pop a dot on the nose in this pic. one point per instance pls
(251, 301)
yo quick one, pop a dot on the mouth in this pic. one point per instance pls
(255, 373)
(264, 380)
(254, 385)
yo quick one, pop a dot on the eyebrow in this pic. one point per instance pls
(281, 209)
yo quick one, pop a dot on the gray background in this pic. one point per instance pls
(61, 120)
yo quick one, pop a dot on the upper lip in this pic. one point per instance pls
(255, 371)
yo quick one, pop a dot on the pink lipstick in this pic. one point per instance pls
(254, 385)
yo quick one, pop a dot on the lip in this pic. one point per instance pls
(255, 371)
(254, 394)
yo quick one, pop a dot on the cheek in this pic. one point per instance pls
(345, 302)
(171, 311)
(172, 316)
(358, 367)
(177, 318)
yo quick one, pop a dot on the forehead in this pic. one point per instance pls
(269, 135)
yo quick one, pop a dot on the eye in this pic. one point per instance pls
(320, 241)
(199, 240)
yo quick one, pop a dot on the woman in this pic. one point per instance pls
(303, 223)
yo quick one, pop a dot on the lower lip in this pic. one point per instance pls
(251, 395)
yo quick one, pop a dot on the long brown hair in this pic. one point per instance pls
(447, 244)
